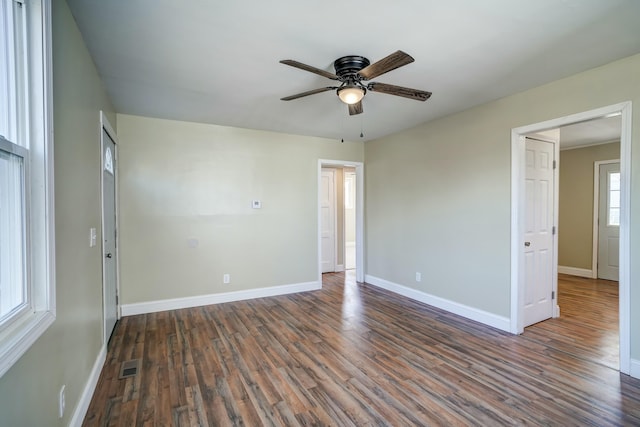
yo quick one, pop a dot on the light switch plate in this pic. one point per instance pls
(92, 237)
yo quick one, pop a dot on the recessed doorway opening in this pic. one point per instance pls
(340, 231)
(519, 219)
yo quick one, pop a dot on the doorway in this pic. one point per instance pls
(518, 210)
(109, 165)
(357, 209)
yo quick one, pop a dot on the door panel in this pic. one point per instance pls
(609, 222)
(109, 264)
(327, 220)
(538, 245)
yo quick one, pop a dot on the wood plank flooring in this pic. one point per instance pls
(588, 326)
(353, 354)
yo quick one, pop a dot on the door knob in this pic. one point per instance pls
(108, 255)
(527, 244)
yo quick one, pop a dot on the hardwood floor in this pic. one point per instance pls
(353, 354)
(588, 326)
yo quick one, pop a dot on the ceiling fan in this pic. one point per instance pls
(352, 71)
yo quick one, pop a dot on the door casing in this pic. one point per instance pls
(624, 109)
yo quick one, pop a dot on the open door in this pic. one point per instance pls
(539, 232)
(328, 220)
(109, 243)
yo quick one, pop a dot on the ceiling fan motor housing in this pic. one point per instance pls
(349, 66)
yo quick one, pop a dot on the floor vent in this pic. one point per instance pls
(129, 368)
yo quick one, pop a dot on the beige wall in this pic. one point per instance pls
(438, 196)
(575, 227)
(181, 181)
(66, 353)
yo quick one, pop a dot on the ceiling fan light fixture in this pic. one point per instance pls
(351, 94)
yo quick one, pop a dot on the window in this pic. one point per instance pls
(613, 198)
(14, 296)
(27, 297)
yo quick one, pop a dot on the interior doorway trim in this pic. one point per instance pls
(596, 213)
(517, 215)
(359, 167)
(106, 126)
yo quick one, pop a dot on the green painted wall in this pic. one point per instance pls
(65, 354)
(182, 181)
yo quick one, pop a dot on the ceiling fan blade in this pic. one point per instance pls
(309, 68)
(355, 108)
(307, 93)
(418, 95)
(391, 62)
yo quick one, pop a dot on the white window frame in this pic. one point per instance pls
(33, 130)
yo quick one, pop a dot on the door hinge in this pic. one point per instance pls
(553, 230)
(555, 164)
(553, 294)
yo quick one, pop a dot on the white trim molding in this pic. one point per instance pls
(200, 300)
(481, 316)
(634, 371)
(574, 271)
(90, 387)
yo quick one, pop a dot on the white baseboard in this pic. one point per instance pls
(339, 268)
(89, 388)
(490, 319)
(199, 300)
(573, 271)
(634, 370)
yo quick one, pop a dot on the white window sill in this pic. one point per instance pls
(16, 340)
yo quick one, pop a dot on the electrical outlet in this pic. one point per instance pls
(226, 278)
(418, 276)
(61, 402)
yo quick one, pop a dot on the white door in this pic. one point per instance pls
(328, 220)
(349, 220)
(609, 221)
(109, 264)
(538, 244)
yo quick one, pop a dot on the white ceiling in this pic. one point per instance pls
(217, 61)
(591, 132)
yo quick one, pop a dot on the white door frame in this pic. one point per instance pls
(596, 213)
(106, 126)
(359, 167)
(517, 215)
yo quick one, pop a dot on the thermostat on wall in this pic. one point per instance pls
(256, 204)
